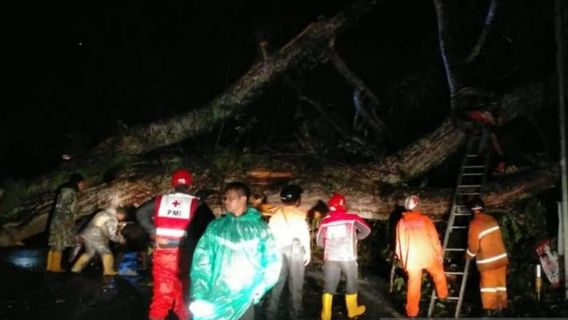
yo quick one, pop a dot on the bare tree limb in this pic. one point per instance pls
(378, 126)
(449, 57)
(307, 48)
(430, 151)
(487, 28)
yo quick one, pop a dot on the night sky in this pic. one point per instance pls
(85, 70)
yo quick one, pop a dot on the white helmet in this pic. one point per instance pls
(411, 202)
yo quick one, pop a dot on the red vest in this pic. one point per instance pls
(173, 213)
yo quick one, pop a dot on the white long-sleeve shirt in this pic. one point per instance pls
(292, 226)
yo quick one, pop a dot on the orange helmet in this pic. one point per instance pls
(337, 201)
(411, 202)
(181, 177)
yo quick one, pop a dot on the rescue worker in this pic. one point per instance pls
(137, 241)
(102, 228)
(166, 219)
(260, 203)
(338, 234)
(485, 244)
(235, 262)
(62, 225)
(290, 229)
(474, 106)
(417, 248)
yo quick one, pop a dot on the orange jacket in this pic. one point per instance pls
(485, 243)
(417, 241)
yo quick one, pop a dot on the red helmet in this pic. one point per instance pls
(181, 177)
(337, 201)
(411, 202)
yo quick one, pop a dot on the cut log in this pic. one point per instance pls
(133, 190)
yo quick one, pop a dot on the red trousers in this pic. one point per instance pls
(169, 288)
(493, 287)
(436, 271)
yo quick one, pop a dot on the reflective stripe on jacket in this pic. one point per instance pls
(485, 243)
(173, 213)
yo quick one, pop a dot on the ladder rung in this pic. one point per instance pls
(454, 249)
(449, 298)
(457, 273)
(469, 186)
(462, 214)
(458, 227)
(473, 155)
(472, 174)
(472, 167)
(468, 193)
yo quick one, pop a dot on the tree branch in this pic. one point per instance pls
(487, 28)
(308, 47)
(430, 151)
(375, 123)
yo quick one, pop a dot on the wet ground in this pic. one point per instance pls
(28, 292)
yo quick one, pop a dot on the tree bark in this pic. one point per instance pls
(307, 48)
(410, 162)
(133, 189)
(33, 200)
(430, 151)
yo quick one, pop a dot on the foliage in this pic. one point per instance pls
(522, 229)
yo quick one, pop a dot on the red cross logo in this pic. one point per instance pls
(176, 203)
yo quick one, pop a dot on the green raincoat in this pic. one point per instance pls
(234, 265)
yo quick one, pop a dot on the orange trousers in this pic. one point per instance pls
(436, 271)
(493, 287)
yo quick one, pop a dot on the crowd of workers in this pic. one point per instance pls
(205, 267)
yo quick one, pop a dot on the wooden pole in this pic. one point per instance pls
(560, 67)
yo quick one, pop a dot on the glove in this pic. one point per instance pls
(201, 308)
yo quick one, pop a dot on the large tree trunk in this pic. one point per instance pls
(135, 188)
(410, 162)
(307, 48)
(427, 153)
(27, 204)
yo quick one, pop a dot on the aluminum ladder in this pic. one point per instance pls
(470, 182)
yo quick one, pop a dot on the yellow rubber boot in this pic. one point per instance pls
(81, 263)
(56, 262)
(49, 263)
(353, 309)
(326, 302)
(108, 265)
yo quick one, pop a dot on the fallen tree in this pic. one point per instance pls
(134, 187)
(306, 49)
(30, 216)
(25, 206)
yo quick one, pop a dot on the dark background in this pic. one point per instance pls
(85, 70)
